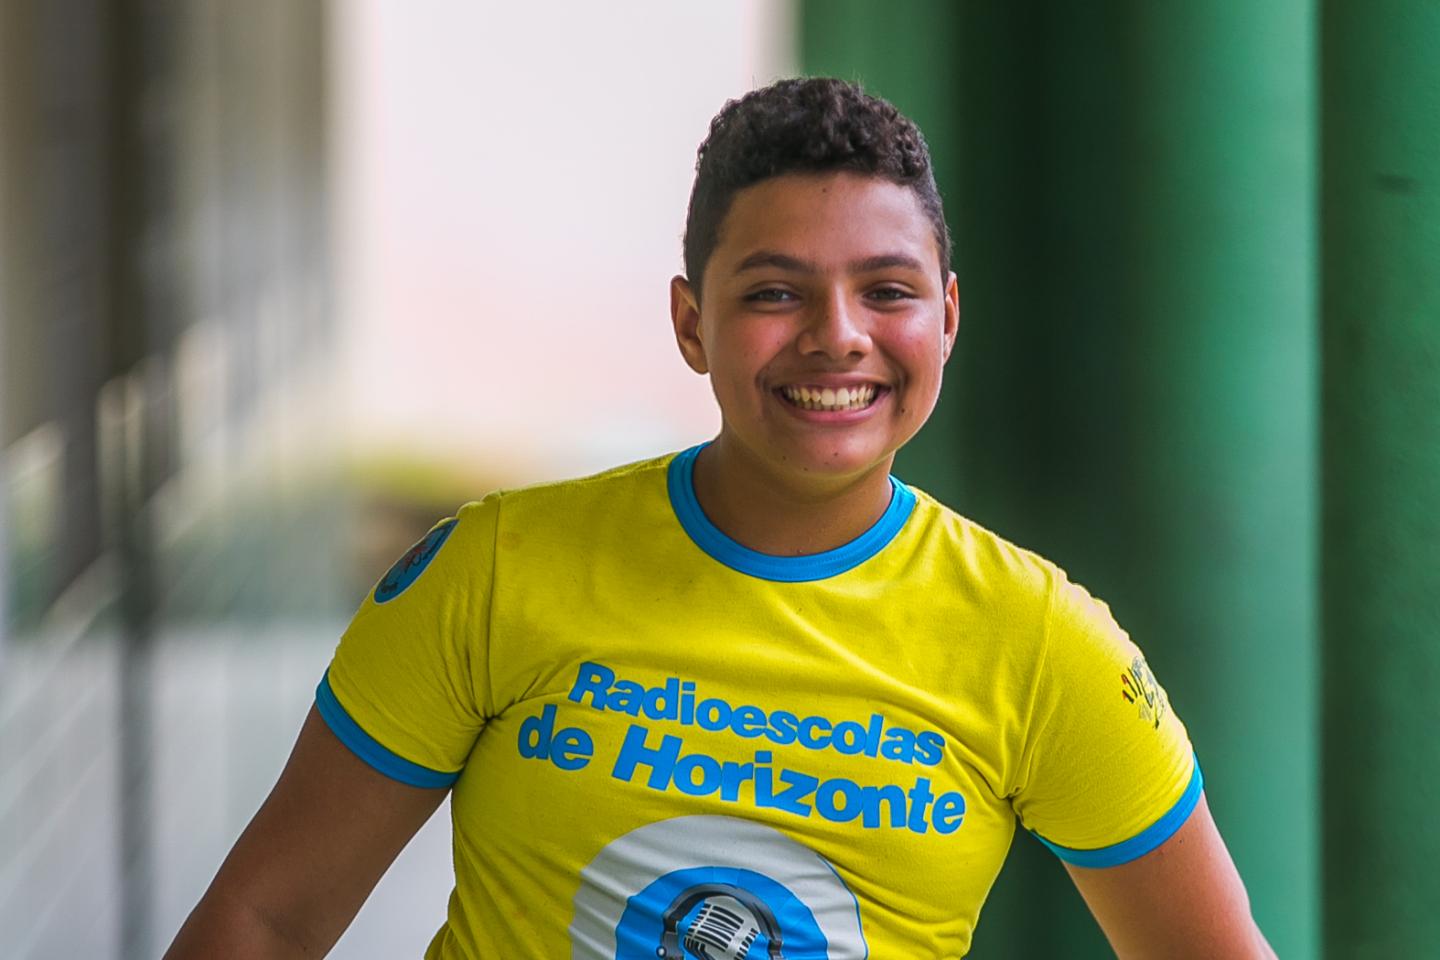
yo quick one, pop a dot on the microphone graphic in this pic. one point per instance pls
(728, 923)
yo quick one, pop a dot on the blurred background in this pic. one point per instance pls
(282, 282)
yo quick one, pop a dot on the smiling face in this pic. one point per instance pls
(824, 324)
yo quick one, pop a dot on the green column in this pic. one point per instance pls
(1381, 307)
(1132, 195)
(1225, 362)
(857, 40)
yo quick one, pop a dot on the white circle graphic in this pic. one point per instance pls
(632, 863)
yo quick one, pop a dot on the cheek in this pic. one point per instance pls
(733, 378)
(922, 353)
(745, 356)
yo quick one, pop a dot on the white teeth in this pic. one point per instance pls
(827, 398)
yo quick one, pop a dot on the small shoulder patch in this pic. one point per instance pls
(409, 567)
(1138, 686)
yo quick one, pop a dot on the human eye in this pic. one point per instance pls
(769, 295)
(890, 293)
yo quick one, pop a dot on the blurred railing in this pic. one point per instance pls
(165, 449)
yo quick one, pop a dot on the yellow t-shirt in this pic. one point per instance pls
(664, 744)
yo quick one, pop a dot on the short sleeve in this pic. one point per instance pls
(1107, 772)
(407, 690)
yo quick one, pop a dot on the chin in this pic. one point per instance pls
(838, 459)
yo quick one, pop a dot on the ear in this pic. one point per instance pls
(952, 314)
(685, 315)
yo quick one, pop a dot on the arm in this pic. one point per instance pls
(309, 858)
(1184, 899)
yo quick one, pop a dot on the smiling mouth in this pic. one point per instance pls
(842, 398)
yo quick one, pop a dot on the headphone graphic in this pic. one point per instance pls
(718, 926)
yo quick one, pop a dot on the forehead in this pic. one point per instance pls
(827, 219)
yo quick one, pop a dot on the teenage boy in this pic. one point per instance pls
(759, 698)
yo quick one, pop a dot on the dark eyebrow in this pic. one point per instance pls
(885, 261)
(783, 261)
(769, 258)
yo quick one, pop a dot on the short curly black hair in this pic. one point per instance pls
(804, 125)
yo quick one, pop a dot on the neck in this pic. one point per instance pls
(786, 514)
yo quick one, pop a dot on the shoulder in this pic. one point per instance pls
(1032, 606)
(978, 561)
(621, 504)
(623, 483)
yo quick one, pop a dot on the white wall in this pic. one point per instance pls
(511, 189)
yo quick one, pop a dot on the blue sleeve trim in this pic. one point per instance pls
(372, 751)
(1143, 842)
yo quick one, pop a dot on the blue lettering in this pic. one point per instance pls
(572, 749)
(688, 766)
(594, 679)
(791, 800)
(899, 745)
(848, 738)
(568, 749)
(930, 747)
(784, 727)
(830, 791)
(949, 812)
(713, 714)
(687, 702)
(627, 696)
(872, 797)
(535, 734)
(635, 752)
(732, 775)
(747, 721)
(808, 739)
(920, 797)
(872, 735)
(663, 703)
(764, 780)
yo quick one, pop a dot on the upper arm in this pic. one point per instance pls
(1107, 772)
(1110, 783)
(1183, 899)
(313, 852)
(394, 720)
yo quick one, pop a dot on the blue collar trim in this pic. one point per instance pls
(680, 480)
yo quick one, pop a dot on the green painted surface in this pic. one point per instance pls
(1381, 306)
(1134, 391)
(1226, 363)
(857, 40)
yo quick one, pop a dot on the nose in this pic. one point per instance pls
(835, 328)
